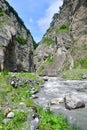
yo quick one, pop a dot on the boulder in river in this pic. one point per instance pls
(73, 101)
(56, 101)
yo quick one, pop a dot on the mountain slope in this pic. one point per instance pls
(64, 45)
(16, 42)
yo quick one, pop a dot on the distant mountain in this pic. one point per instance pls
(64, 45)
(16, 41)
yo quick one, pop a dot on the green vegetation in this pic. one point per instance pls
(14, 97)
(35, 44)
(74, 74)
(63, 28)
(82, 63)
(51, 122)
(16, 123)
(49, 60)
(21, 40)
(49, 41)
(31, 76)
(1, 12)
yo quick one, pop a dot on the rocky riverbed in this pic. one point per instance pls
(56, 89)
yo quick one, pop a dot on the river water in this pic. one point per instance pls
(57, 88)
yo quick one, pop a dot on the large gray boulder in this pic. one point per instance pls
(73, 101)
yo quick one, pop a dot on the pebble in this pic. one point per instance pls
(10, 115)
(5, 121)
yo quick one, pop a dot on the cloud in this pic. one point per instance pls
(44, 22)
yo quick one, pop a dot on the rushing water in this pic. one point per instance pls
(57, 88)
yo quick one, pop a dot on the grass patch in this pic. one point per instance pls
(31, 76)
(63, 28)
(74, 74)
(17, 122)
(21, 40)
(49, 41)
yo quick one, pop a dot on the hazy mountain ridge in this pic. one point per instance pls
(64, 45)
(16, 41)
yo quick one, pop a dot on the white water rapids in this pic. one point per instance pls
(57, 88)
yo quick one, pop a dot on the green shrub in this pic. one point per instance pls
(63, 27)
(82, 63)
(21, 40)
(49, 41)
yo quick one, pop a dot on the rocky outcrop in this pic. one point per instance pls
(73, 101)
(16, 42)
(64, 44)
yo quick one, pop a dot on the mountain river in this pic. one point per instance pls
(57, 88)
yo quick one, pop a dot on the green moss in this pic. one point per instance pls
(21, 40)
(63, 28)
(49, 41)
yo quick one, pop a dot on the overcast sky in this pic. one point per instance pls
(36, 14)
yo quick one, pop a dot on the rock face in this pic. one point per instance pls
(73, 101)
(16, 42)
(64, 44)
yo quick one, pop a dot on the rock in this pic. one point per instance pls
(7, 111)
(22, 105)
(16, 42)
(10, 115)
(84, 76)
(45, 79)
(5, 121)
(56, 101)
(63, 48)
(34, 91)
(34, 96)
(73, 101)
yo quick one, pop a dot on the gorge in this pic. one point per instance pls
(62, 53)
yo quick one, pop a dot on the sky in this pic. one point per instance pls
(36, 14)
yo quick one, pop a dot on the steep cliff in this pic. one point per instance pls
(64, 45)
(16, 42)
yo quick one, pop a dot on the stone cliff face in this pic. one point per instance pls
(16, 42)
(64, 45)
